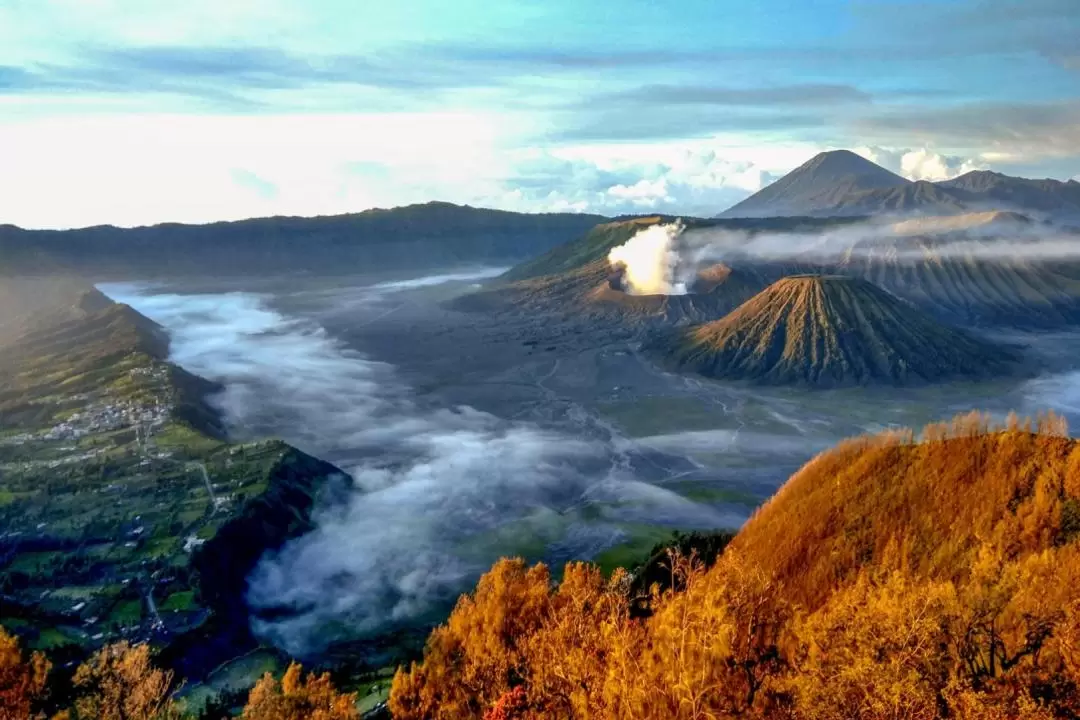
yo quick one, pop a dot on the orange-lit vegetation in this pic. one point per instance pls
(121, 682)
(298, 698)
(889, 578)
(22, 679)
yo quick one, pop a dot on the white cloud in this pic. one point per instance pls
(922, 163)
(137, 169)
(676, 179)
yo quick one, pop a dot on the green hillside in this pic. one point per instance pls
(124, 511)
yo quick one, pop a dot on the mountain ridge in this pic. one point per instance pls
(860, 187)
(427, 235)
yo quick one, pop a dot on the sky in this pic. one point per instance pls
(133, 112)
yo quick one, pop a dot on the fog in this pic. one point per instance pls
(441, 492)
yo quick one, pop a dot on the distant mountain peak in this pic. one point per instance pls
(846, 164)
(820, 181)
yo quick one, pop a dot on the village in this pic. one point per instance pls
(107, 415)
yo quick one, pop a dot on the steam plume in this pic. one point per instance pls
(665, 259)
(649, 261)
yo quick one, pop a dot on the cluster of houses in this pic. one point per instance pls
(109, 416)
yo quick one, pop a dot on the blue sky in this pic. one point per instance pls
(140, 111)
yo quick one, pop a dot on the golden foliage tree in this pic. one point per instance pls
(22, 679)
(875, 651)
(890, 578)
(299, 697)
(120, 682)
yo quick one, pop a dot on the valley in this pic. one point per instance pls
(262, 466)
(472, 435)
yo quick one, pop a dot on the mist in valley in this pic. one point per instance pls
(449, 477)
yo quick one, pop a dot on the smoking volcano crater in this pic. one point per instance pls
(988, 270)
(631, 274)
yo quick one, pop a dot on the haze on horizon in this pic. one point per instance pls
(129, 113)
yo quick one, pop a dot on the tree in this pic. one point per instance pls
(120, 682)
(22, 679)
(299, 698)
(480, 653)
(876, 651)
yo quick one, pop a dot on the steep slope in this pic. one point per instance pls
(593, 293)
(928, 508)
(30, 302)
(599, 241)
(417, 236)
(828, 331)
(915, 198)
(840, 183)
(991, 222)
(967, 289)
(822, 182)
(576, 282)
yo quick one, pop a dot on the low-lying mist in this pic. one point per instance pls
(441, 492)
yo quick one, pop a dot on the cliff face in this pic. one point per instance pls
(281, 512)
(429, 235)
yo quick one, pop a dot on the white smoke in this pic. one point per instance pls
(665, 259)
(441, 492)
(649, 261)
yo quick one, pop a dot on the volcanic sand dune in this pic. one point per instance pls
(976, 291)
(831, 331)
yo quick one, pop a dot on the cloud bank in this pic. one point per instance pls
(441, 492)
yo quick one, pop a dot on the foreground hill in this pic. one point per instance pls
(889, 578)
(841, 183)
(417, 236)
(828, 331)
(125, 513)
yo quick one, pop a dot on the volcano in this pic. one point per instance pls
(824, 181)
(828, 331)
(842, 184)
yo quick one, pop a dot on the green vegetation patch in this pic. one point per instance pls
(641, 539)
(127, 613)
(183, 601)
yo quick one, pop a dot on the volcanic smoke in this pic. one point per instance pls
(649, 261)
